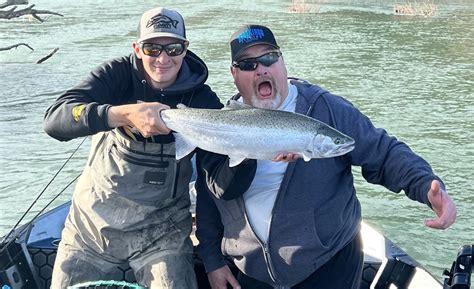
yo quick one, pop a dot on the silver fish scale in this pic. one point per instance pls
(254, 133)
(263, 118)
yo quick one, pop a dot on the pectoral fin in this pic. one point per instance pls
(307, 156)
(181, 106)
(183, 146)
(235, 160)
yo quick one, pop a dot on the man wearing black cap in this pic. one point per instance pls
(131, 203)
(296, 224)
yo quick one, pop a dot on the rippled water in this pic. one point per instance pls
(413, 76)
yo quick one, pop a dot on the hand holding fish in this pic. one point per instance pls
(290, 157)
(244, 132)
(442, 205)
(145, 117)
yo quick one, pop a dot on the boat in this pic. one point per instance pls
(27, 256)
(28, 252)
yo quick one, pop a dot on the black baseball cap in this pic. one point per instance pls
(248, 36)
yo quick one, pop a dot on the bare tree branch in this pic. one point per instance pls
(47, 56)
(9, 14)
(13, 2)
(15, 46)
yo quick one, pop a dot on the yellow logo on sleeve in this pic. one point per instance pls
(77, 111)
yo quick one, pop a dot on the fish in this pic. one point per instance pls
(244, 132)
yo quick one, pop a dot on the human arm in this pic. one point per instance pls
(209, 233)
(102, 101)
(209, 227)
(226, 182)
(389, 162)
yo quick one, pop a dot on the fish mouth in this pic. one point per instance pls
(265, 87)
(343, 149)
(331, 151)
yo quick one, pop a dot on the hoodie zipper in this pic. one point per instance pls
(266, 249)
(265, 246)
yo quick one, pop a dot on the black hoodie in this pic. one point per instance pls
(82, 110)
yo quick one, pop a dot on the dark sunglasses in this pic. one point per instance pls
(154, 50)
(250, 64)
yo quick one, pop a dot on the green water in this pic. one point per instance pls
(413, 76)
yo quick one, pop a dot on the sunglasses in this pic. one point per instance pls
(154, 50)
(250, 64)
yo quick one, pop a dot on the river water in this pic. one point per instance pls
(412, 75)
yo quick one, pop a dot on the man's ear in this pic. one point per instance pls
(137, 50)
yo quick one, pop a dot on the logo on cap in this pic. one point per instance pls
(162, 21)
(251, 35)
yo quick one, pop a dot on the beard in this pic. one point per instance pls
(271, 103)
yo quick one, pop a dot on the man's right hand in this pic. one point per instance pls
(144, 116)
(221, 277)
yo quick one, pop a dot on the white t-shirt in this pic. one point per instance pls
(260, 197)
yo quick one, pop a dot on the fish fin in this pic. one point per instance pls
(183, 146)
(307, 156)
(235, 160)
(180, 105)
(234, 104)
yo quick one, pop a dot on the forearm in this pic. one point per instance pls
(82, 110)
(209, 228)
(407, 171)
(391, 163)
(69, 118)
(118, 116)
(226, 182)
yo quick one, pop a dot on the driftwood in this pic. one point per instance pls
(15, 46)
(43, 59)
(13, 2)
(9, 14)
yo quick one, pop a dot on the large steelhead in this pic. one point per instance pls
(241, 132)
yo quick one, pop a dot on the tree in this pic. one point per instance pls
(14, 13)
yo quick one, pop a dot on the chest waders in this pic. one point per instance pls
(131, 204)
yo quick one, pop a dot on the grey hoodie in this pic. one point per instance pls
(316, 212)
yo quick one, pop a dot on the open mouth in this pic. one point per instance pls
(265, 88)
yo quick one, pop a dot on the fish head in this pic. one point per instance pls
(329, 142)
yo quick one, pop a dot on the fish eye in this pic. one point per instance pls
(337, 141)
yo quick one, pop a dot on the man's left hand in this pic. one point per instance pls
(442, 205)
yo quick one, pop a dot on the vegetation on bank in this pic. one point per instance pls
(408, 7)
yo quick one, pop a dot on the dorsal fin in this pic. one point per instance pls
(180, 105)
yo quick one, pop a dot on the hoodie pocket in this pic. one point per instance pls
(294, 236)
